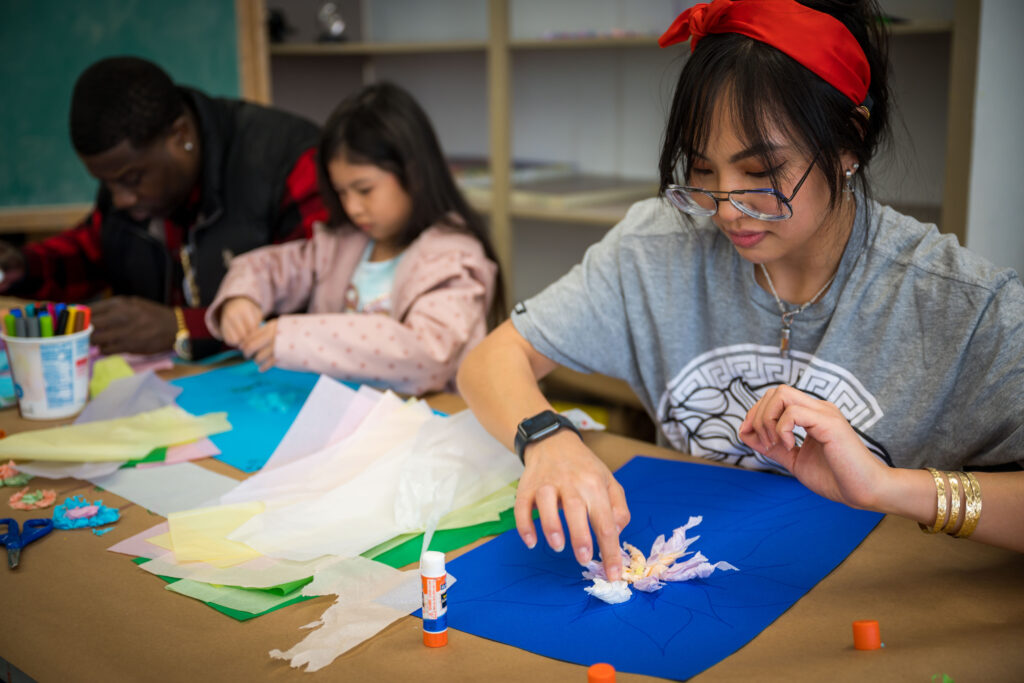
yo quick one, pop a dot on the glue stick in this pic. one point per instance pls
(435, 599)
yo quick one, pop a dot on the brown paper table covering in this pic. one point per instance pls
(75, 612)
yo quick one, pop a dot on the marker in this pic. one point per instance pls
(86, 316)
(19, 327)
(51, 310)
(601, 673)
(32, 326)
(16, 312)
(72, 318)
(435, 599)
(62, 321)
(9, 324)
(45, 325)
(30, 310)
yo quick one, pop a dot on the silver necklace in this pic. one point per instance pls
(787, 316)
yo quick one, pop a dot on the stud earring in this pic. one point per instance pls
(848, 190)
(189, 146)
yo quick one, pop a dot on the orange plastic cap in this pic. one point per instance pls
(601, 673)
(435, 639)
(866, 635)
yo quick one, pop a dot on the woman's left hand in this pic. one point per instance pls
(832, 461)
(259, 345)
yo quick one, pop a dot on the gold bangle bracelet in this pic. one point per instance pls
(954, 502)
(972, 490)
(940, 504)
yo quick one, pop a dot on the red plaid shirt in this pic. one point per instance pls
(70, 265)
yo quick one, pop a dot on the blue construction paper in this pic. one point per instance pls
(781, 536)
(260, 405)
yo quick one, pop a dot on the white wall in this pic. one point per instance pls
(995, 219)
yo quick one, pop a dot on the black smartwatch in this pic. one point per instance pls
(540, 426)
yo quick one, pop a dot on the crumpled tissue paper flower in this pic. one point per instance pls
(650, 573)
(10, 476)
(37, 500)
(77, 513)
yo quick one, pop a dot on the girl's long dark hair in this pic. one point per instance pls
(383, 125)
(769, 90)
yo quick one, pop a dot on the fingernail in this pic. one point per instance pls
(583, 553)
(556, 542)
(530, 540)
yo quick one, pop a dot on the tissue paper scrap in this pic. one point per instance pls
(650, 573)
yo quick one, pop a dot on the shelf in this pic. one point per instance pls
(583, 43)
(365, 49)
(903, 28)
(602, 216)
(920, 28)
(42, 219)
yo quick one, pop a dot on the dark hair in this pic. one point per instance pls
(768, 89)
(122, 98)
(382, 124)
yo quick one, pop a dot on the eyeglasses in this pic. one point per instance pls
(764, 204)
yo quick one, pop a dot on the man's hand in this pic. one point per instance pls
(129, 324)
(12, 262)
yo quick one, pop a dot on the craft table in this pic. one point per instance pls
(75, 612)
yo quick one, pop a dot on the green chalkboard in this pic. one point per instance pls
(45, 45)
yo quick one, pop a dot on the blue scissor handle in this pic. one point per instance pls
(11, 533)
(33, 529)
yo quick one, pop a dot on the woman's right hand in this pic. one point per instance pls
(562, 470)
(239, 316)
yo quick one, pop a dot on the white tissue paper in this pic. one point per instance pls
(371, 596)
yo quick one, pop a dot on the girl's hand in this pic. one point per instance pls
(832, 461)
(560, 469)
(259, 345)
(239, 317)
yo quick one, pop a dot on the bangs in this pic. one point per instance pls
(769, 99)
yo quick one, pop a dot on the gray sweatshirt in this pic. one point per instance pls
(919, 342)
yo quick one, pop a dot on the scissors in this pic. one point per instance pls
(15, 540)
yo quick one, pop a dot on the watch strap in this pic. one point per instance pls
(523, 440)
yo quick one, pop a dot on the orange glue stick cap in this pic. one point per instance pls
(601, 673)
(866, 635)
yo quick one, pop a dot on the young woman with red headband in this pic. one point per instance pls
(767, 311)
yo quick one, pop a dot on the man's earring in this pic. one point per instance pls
(848, 190)
(189, 147)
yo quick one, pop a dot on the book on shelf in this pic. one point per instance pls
(548, 184)
(581, 190)
(475, 172)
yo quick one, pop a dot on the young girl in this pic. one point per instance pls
(401, 284)
(767, 311)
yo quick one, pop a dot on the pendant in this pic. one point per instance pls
(784, 340)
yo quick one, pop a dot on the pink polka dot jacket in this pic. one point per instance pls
(442, 289)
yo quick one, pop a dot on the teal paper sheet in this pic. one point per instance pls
(261, 407)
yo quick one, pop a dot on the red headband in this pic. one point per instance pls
(814, 39)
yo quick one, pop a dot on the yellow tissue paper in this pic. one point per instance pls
(125, 438)
(200, 535)
(105, 371)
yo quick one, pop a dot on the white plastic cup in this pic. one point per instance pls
(51, 374)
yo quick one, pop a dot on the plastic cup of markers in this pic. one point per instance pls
(51, 374)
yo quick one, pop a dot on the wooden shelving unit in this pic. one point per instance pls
(499, 50)
(370, 49)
